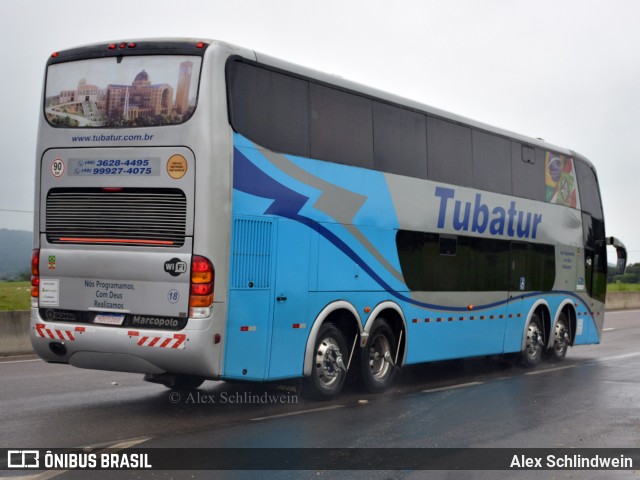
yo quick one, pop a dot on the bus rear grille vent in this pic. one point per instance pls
(128, 216)
(251, 254)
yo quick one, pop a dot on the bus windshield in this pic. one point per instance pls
(130, 91)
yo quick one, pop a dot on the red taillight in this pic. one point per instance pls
(201, 264)
(202, 281)
(54, 54)
(200, 45)
(35, 273)
(112, 46)
(201, 289)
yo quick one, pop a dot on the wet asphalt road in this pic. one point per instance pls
(592, 399)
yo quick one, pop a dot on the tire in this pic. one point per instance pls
(560, 339)
(328, 372)
(376, 370)
(534, 344)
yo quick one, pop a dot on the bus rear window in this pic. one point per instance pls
(131, 91)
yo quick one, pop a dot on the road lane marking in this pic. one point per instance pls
(21, 361)
(547, 370)
(40, 476)
(618, 312)
(452, 387)
(131, 442)
(301, 412)
(618, 357)
(607, 329)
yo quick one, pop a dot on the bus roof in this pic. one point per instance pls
(337, 82)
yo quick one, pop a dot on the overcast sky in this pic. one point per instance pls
(565, 71)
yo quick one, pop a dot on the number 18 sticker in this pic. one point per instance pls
(57, 167)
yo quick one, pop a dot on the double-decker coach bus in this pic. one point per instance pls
(204, 211)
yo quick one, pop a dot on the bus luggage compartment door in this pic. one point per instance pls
(250, 298)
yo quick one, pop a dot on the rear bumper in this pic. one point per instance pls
(190, 351)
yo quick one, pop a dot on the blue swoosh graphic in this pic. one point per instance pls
(287, 203)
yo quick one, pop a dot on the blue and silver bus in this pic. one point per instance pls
(204, 211)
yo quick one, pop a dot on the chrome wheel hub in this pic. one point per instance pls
(534, 344)
(561, 336)
(327, 362)
(377, 351)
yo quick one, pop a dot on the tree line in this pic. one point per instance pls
(631, 275)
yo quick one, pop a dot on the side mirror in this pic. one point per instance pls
(621, 251)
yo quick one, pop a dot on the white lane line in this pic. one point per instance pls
(21, 361)
(132, 442)
(617, 357)
(452, 387)
(301, 412)
(40, 476)
(620, 312)
(607, 329)
(547, 370)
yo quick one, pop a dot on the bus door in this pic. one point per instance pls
(516, 308)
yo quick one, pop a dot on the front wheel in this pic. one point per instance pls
(534, 343)
(329, 368)
(561, 340)
(376, 359)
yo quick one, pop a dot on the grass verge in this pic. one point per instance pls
(15, 296)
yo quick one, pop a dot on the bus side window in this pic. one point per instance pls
(400, 141)
(341, 127)
(527, 172)
(449, 152)
(491, 163)
(588, 189)
(270, 108)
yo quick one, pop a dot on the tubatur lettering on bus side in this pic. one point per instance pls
(477, 217)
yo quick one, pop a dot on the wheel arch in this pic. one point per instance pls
(542, 309)
(344, 316)
(394, 315)
(569, 309)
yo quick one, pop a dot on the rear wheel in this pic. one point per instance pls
(376, 360)
(560, 340)
(534, 343)
(329, 368)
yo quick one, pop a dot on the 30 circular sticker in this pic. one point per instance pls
(177, 166)
(57, 167)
